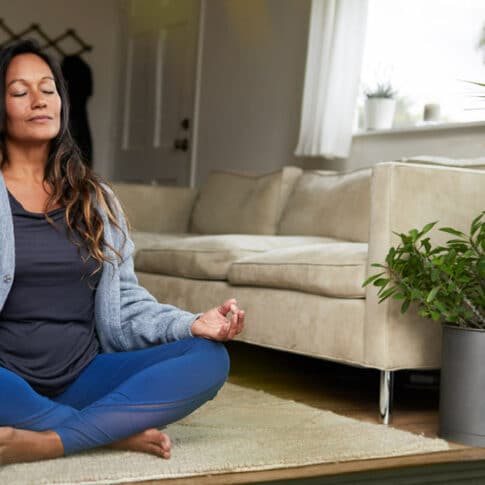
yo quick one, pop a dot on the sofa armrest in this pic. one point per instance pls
(406, 196)
(156, 208)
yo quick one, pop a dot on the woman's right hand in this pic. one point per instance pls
(215, 325)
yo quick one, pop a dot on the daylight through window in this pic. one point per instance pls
(426, 49)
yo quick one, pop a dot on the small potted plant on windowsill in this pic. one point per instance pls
(380, 106)
(447, 283)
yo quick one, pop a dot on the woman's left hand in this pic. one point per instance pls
(214, 324)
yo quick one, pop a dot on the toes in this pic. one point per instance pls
(165, 442)
(151, 441)
(155, 450)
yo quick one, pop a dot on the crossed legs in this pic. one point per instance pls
(118, 400)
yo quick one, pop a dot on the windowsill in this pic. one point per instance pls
(420, 129)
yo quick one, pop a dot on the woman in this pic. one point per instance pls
(88, 357)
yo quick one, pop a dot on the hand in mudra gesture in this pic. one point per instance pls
(214, 324)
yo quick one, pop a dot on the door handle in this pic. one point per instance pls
(181, 144)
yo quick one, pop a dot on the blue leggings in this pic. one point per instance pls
(120, 394)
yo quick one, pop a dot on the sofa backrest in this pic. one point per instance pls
(154, 208)
(329, 204)
(476, 163)
(242, 203)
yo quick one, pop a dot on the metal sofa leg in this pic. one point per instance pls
(385, 396)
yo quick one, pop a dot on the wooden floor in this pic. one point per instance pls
(345, 390)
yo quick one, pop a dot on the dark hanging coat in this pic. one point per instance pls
(80, 87)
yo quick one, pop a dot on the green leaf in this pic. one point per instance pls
(476, 224)
(469, 315)
(378, 265)
(435, 315)
(390, 255)
(387, 293)
(450, 230)
(432, 294)
(381, 282)
(439, 306)
(428, 228)
(474, 82)
(405, 306)
(371, 279)
(414, 234)
(481, 267)
(426, 244)
(415, 294)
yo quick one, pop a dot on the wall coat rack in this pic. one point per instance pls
(69, 34)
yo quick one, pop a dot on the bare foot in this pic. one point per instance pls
(20, 445)
(149, 441)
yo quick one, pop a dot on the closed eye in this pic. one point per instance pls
(18, 95)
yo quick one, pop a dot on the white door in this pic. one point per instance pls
(157, 89)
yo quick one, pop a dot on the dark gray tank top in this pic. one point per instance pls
(47, 331)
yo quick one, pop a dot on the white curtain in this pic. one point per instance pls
(333, 67)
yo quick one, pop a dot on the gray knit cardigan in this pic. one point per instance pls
(127, 316)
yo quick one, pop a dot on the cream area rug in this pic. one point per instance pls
(239, 430)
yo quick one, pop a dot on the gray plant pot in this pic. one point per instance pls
(462, 386)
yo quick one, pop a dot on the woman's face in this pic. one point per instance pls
(32, 103)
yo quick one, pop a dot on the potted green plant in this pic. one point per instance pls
(446, 283)
(380, 106)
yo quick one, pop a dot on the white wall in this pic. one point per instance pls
(252, 74)
(97, 22)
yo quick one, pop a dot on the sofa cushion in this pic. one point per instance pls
(210, 257)
(145, 240)
(154, 208)
(333, 205)
(242, 203)
(330, 269)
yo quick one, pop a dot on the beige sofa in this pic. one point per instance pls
(294, 247)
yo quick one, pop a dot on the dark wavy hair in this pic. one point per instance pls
(74, 185)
